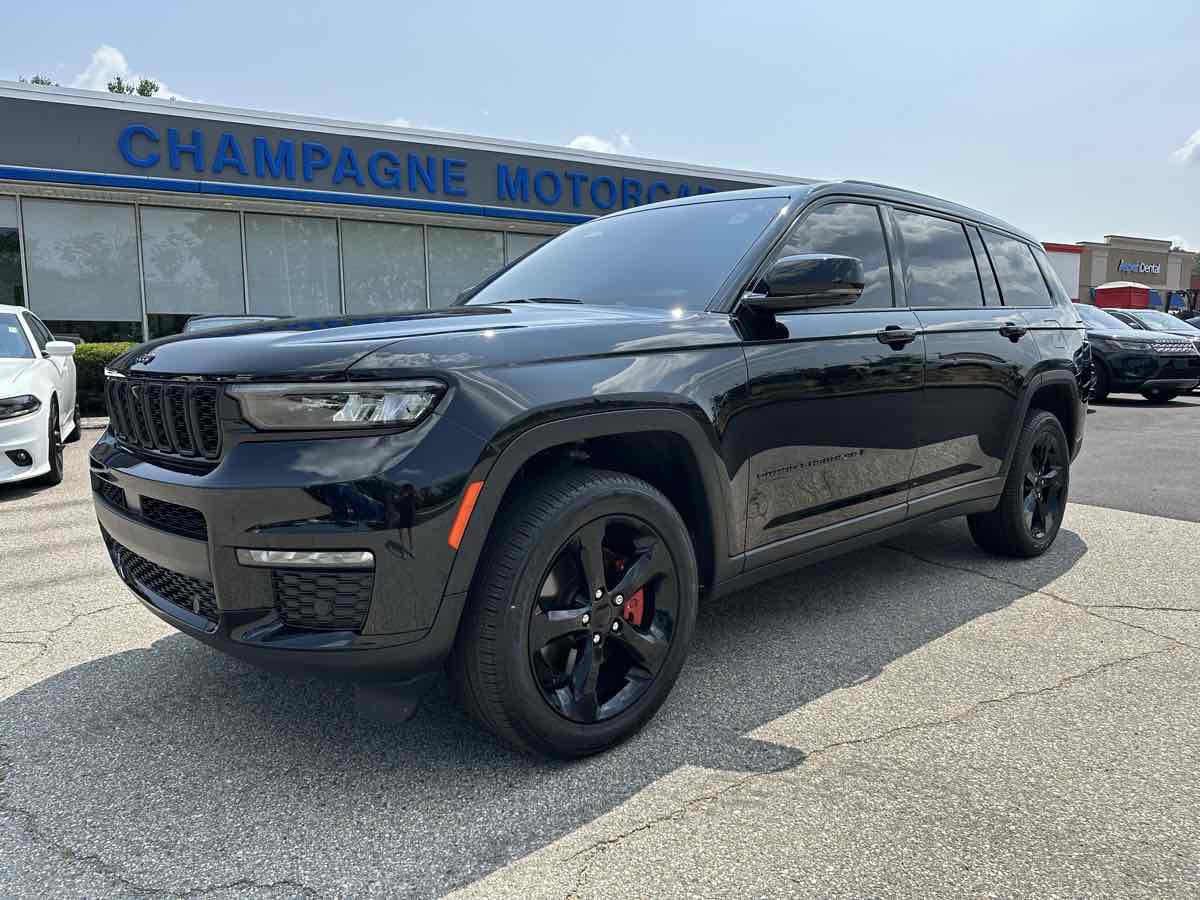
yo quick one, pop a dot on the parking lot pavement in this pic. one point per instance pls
(913, 719)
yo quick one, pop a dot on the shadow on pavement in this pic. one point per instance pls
(177, 753)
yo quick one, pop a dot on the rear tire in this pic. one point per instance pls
(1156, 396)
(540, 660)
(1030, 512)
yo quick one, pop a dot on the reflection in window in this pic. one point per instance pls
(847, 229)
(11, 291)
(458, 259)
(941, 271)
(292, 265)
(517, 245)
(82, 260)
(383, 266)
(1021, 280)
(192, 260)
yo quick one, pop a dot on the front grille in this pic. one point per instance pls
(172, 517)
(326, 600)
(114, 495)
(1184, 347)
(180, 420)
(191, 594)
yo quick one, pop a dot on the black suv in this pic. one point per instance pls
(536, 486)
(1157, 365)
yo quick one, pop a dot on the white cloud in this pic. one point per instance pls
(1178, 240)
(108, 62)
(400, 123)
(1189, 152)
(594, 144)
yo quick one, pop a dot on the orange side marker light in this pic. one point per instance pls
(464, 513)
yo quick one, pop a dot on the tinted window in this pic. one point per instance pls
(1021, 280)
(669, 256)
(13, 344)
(1098, 318)
(939, 270)
(987, 275)
(41, 334)
(847, 229)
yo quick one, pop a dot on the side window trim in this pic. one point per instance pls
(961, 223)
(803, 215)
(979, 246)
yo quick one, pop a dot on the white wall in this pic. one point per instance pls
(1066, 265)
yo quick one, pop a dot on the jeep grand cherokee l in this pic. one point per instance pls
(536, 486)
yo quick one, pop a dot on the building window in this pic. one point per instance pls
(517, 245)
(11, 290)
(383, 267)
(83, 268)
(292, 265)
(192, 262)
(460, 258)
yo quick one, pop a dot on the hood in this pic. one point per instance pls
(458, 337)
(11, 371)
(1120, 334)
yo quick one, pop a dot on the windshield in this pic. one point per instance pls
(1160, 321)
(664, 257)
(13, 344)
(1098, 318)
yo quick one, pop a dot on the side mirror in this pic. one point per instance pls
(60, 348)
(807, 281)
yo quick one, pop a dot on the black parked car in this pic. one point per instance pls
(537, 486)
(1156, 320)
(1156, 365)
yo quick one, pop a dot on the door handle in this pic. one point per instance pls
(1013, 331)
(895, 336)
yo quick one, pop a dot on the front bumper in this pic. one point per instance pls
(1136, 371)
(28, 433)
(173, 534)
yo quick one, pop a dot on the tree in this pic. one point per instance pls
(146, 87)
(43, 80)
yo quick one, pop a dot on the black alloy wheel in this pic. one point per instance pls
(579, 619)
(604, 619)
(1043, 489)
(1100, 383)
(1029, 511)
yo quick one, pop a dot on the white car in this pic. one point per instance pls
(37, 398)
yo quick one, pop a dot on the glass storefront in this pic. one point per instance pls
(83, 273)
(11, 291)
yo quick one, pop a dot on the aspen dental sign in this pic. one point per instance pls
(1139, 268)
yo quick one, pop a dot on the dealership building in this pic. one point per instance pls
(121, 216)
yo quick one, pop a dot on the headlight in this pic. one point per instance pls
(303, 407)
(11, 407)
(1111, 344)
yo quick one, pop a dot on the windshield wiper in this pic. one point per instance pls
(539, 300)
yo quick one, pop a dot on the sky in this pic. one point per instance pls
(1070, 119)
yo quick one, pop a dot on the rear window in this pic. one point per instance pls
(1021, 282)
(939, 269)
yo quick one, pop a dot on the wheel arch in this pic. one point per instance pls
(599, 437)
(1057, 392)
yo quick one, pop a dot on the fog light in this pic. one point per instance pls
(20, 457)
(310, 559)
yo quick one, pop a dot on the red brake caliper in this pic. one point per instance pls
(634, 603)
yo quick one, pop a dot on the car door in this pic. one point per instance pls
(60, 370)
(979, 356)
(834, 398)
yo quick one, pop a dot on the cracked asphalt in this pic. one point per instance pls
(915, 719)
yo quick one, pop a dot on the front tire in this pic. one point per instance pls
(580, 615)
(1157, 396)
(54, 448)
(1030, 512)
